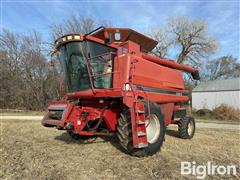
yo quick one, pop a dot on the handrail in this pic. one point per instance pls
(101, 58)
(101, 55)
(90, 77)
(105, 74)
(88, 70)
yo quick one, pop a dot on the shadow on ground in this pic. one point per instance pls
(103, 139)
(91, 140)
(69, 140)
(173, 133)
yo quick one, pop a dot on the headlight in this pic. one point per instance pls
(126, 87)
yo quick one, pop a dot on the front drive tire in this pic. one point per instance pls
(186, 127)
(124, 133)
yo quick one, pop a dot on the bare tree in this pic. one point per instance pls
(221, 68)
(192, 38)
(189, 37)
(76, 24)
(10, 59)
(164, 42)
(26, 79)
(35, 67)
(72, 25)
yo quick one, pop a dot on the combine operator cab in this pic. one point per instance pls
(113, 86)
(81, 59)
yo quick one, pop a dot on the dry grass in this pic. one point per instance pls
(30, 151)
(224, 112)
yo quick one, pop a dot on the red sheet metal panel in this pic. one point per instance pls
(150, 74)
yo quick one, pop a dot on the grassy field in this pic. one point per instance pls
(30, 151)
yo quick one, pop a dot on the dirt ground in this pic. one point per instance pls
(30, 151)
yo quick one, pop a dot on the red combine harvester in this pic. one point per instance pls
(114, 86)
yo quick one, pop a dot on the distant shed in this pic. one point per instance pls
(208, 95)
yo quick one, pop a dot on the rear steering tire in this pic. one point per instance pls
(155, 132)
(186, 127)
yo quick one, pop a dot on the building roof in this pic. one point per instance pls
(218, 85)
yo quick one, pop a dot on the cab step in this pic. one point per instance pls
(142, 145)
(140, 112)
(140, 122)
(141, 133)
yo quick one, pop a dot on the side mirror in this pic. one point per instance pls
(52, 61)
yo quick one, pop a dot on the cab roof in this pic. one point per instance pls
(146, 43)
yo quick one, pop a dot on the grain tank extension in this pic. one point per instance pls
(113, 86)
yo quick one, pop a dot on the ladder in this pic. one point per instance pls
(138, 123)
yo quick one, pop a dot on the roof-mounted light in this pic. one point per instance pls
(78, 37)
(68, 38)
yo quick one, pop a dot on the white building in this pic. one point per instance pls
(208, 95)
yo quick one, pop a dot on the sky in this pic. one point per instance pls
(22, 16)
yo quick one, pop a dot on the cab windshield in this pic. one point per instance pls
(77, 57)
